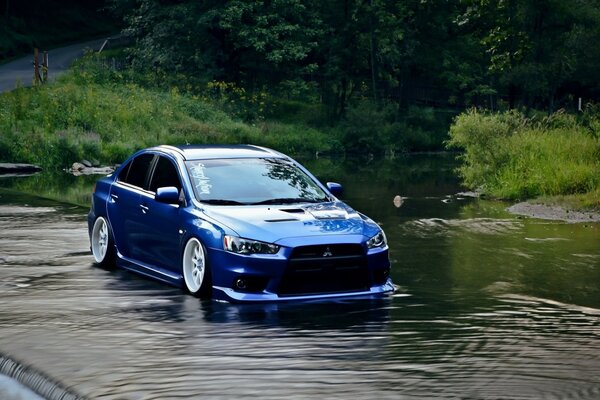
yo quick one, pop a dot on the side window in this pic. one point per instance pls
(138, 170)
(123, 174)
(165, 174)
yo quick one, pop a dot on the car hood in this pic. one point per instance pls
(273, 223)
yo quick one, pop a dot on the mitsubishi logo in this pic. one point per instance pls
(327, 252)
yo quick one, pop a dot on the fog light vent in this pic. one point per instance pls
(240, 284)
(250, 284)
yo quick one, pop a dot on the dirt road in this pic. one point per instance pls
(20, 72)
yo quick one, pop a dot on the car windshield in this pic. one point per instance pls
(249, 181)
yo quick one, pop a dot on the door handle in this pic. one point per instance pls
(113, 198)
(144, 208)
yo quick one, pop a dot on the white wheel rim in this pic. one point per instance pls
(100, 239)
(194, 263)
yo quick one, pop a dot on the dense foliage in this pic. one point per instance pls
(494, 53)
(509, 155)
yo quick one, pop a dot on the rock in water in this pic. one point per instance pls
(398, 201)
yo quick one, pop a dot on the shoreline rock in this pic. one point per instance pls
(553, 212)
(18, 168)
(82, 169)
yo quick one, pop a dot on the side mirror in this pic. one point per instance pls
(168, 195)
(335, 188)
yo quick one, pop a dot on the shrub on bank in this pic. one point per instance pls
(508, 155)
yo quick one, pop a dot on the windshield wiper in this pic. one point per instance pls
(223, 202)
(287, 200)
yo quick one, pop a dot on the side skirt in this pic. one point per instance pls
(150, 271)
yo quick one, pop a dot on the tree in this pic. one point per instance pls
(271, 39)
(535, 53)
(535, 46)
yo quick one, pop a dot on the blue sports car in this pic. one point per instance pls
(235, 223)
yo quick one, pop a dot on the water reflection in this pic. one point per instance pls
(330, 315)
(56, 185)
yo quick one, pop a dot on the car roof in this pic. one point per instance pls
(205, 152)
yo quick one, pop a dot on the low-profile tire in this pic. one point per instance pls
(102, 244)
(196, 273)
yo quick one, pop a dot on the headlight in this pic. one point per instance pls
(378, 240)
(238, 245)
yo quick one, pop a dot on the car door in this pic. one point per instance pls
(160, 221)
(123, 206)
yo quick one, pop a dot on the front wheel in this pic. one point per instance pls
(103, 247)
(195, 269)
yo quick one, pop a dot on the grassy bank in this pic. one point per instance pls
(101, 113)
(508, 155)
(78, 118)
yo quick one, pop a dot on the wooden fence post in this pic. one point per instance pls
(45, 68)
(36, 67)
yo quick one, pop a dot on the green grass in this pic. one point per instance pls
(80, 118)
(510, 156)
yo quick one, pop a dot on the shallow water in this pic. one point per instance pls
(489, 306)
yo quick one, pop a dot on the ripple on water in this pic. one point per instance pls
(428, 227)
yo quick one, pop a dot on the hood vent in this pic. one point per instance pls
(293, 210)
(281, 220)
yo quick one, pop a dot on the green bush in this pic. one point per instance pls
(508, 155)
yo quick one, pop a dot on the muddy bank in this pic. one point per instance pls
(553, 212)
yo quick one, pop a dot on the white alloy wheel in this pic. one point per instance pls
(100, 240)
(194, 266)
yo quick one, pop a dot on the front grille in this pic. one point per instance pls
(325, 269)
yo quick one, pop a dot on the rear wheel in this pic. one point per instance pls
(103, 247)
(196, 273)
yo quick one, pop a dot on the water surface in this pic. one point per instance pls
(489, 305)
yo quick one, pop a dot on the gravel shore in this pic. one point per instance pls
(553, 212)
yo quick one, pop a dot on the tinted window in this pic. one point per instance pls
(124, 172)
(139, 170)
(165, 174)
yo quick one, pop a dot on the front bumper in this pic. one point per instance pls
(292, 274)
(230, 295)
